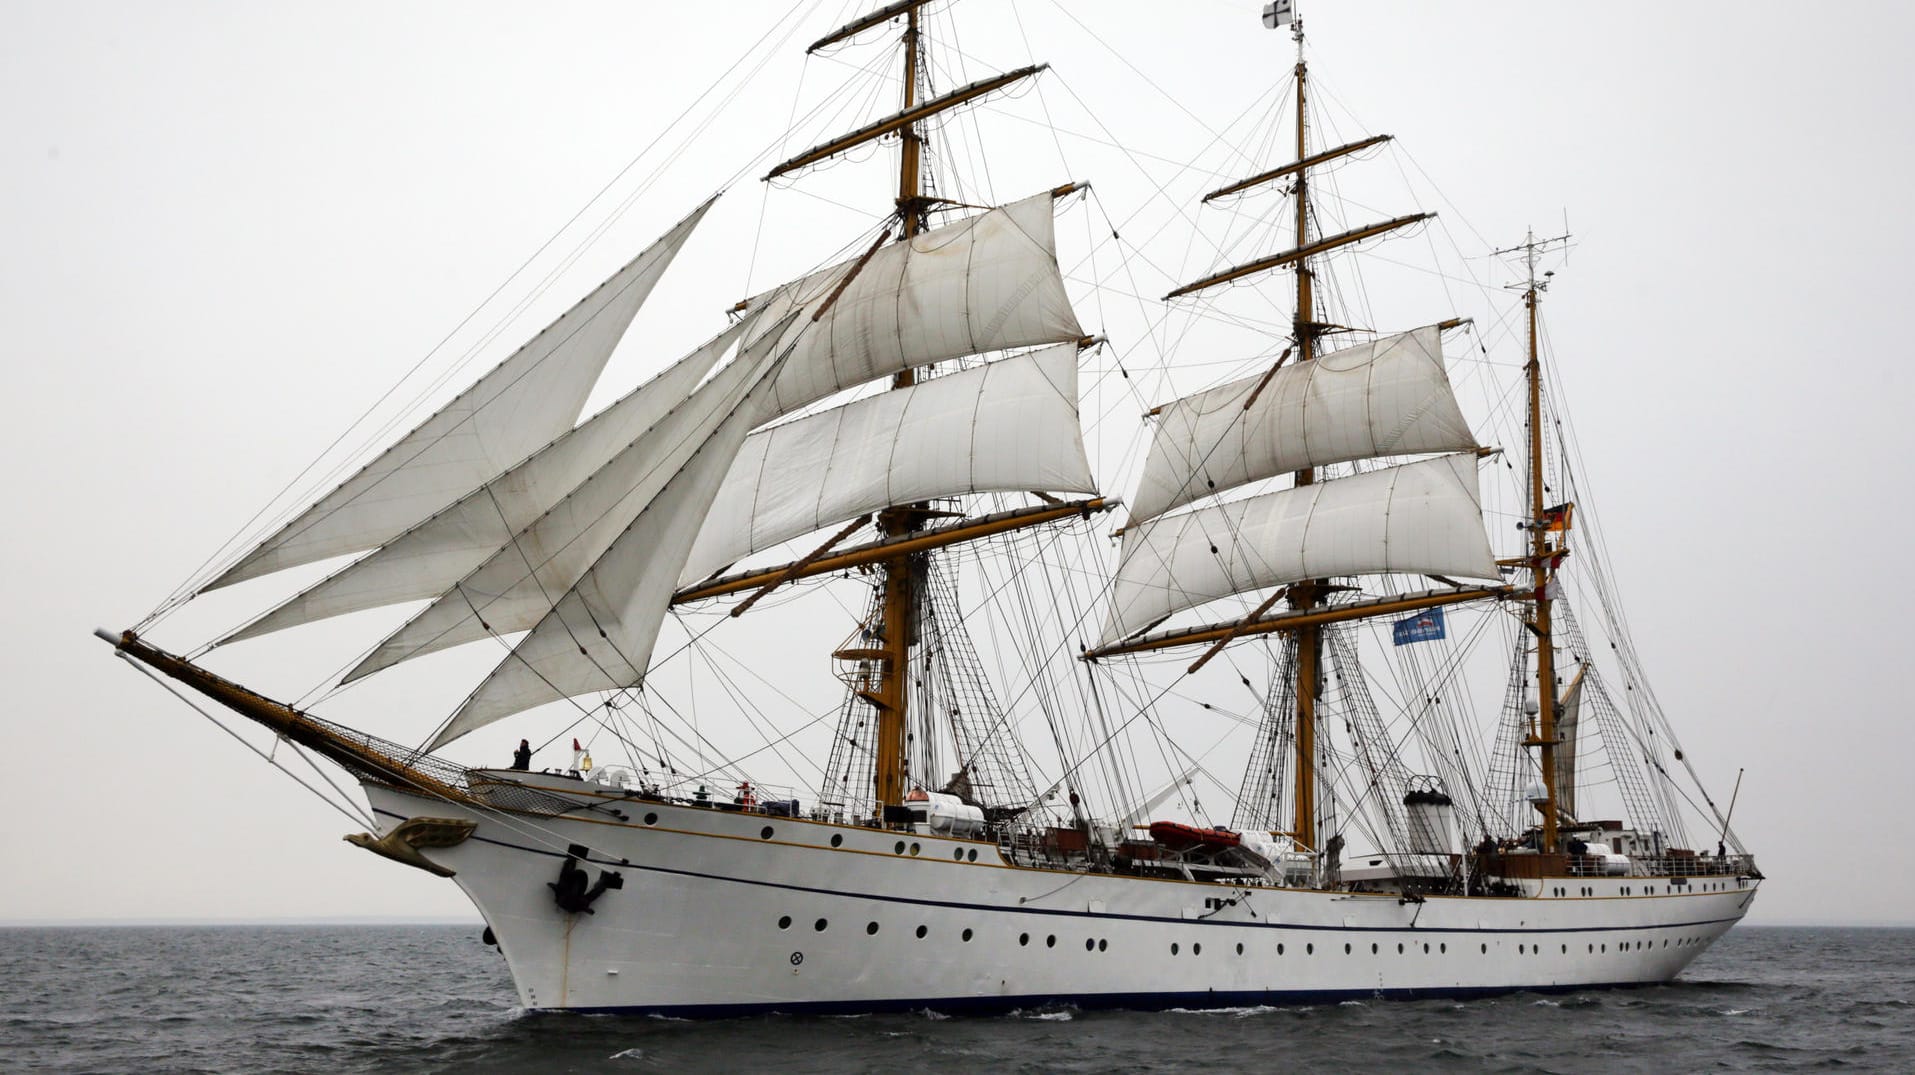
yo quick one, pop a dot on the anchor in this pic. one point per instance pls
(570, 891)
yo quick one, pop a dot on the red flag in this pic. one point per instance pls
(575, 745)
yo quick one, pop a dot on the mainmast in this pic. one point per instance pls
(1305, 596)
(1542, 554)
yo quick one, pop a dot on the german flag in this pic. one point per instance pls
(1556, 520)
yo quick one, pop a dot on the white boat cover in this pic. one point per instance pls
(515, 587)
(1419, 518)
(983, 283)
(1003, 427)
(428, 559)
(1390, 397)
(522, 403)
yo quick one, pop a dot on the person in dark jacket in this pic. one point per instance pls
(522, 757)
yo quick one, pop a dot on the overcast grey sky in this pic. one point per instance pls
(229, 227)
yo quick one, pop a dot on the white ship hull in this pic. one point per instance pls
(724, 912)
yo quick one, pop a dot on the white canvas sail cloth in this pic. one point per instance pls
(1419, 518)
(428, 559)
(984, 283)
(522, 403)
(515, 587)
(1003, 427)
(599, 634)
(1390, 397)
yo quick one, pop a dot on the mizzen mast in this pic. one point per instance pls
(1543, 556)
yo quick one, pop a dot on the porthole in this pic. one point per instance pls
(1240, 948)
(1346, 949)
(1023, 939)
(971, 855)
(1173, 948)
(921, 932)
(1605, 949)
(914, 849)
(765, 833)
(1485, 949)
(1102, 944)
(1443, 948)
(1565, 949)
(820, 925)
(1310, 949)
(1051, 941)
(1399, 949)
(651, 819)
(837, 839)
(784, 922)
(1426, 948)
(1519, 949)
(1279, 947)
(1373, 949)
(898, 849)
(958, 854)
(966, 935)
(1196, 949)
(1090, 944)
(871, 927)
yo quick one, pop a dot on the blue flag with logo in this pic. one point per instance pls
(1423, 627)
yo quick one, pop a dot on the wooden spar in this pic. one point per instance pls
(1296, 166)
(906, 119)
(865, 22)
(1301, 619)
(798, 565)
(898, 546)
(1543, 735)
(1302, 251)
(1303, 599)
(285, 721)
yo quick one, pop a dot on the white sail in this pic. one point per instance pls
(1390, 397)
(599, 634)
(524, 402)
(428, 559)
(515, 586)
(1568, 718)
(1419, 518)
(986, 282)
(1003, 427)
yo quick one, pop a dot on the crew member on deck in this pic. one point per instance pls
(522, 757)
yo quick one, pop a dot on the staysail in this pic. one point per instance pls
(522, 403)
(428, 559)
(1419, 518)
(599, 634)
(1003, 427)
(515, 587)
(1568, 717)
(1390, 397)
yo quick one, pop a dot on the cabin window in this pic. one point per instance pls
(914, 849)
(1279, 947)
(899, 849)
(921, 932)
(958, 854)
(971, 855)
(1346, 949)
(784, 922)
(1102, 944)
(1372, 949)
(1051, 941)
(651, 819)
(1090, 944)
(871, 927)
(1310, 949)
(820, 925)
(1399, 949)
(1426, 948)
(1485, 949)
(765, 833)
(1197, 949)
(837, 839)
(1173, 948)
(966, 935)
(1023, 939)
(1240, 948)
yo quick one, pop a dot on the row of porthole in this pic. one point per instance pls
(837, 840)
(1091, 944)
(822, 924)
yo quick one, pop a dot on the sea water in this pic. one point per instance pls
(435, 999)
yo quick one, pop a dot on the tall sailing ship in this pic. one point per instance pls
(1315, 525)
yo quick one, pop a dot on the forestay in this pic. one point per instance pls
(428, 559)
(515, 587)
(1006, 426)
(1419, 518)
(522, 403)
(983, 283)
(599, 634)
(1390, 397)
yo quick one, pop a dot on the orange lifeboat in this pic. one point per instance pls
(1179, 837)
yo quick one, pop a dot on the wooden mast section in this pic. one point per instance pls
(1542, 556)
